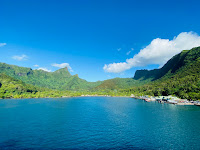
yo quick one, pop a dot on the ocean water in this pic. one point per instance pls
(97, 123)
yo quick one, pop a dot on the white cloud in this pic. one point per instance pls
(129, 51)
(63, 65)
(20, 58)
(159, 51)
(2, 44)
(116, 67)
(36, 65)
(44, 69)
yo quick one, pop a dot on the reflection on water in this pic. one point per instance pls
(97, 122)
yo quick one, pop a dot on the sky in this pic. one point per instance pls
(96, 39)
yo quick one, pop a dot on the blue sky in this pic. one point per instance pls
(92, 35)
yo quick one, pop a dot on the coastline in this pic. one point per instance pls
(168, 99)
(145, 98)
(64, 97)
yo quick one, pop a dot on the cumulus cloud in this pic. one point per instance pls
(63, 65)
(159, 51)
(44, 69)
(20, 58)
(36, 65)
(2, 44)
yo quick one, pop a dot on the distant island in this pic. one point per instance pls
(180, 77)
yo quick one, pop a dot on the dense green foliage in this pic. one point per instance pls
(60, 79)
(13, 88)
(171, 66)
(10, 87)
(118, 83)
(180, 76)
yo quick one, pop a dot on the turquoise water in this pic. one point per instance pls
(97, 123)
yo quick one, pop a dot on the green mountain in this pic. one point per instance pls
(179, 76)
(14, 88)
(118, 83)
(172, 66)
(10, 87)
(60, 79)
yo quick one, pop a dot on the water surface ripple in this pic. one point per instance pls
(97, 123)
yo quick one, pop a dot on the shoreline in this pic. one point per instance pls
(169, 100)
(63, 97)
(136, 98)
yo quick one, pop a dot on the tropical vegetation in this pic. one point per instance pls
(180, 76)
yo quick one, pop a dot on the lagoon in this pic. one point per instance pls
(97, 123)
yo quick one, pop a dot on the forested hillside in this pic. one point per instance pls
(10, 87)
(14, 88)
(171, 66)
(63, 80)
(60, 79)
(119, 83)
(180, 76)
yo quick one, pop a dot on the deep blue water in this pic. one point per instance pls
(97, 123)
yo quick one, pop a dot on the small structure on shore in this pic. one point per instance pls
(168, 99)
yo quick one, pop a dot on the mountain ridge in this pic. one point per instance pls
(172, 65)
(171, 77)
(53, 80)
(182, 79)
(61, 79)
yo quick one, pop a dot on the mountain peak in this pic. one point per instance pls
(178, 61)
(63, 71)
